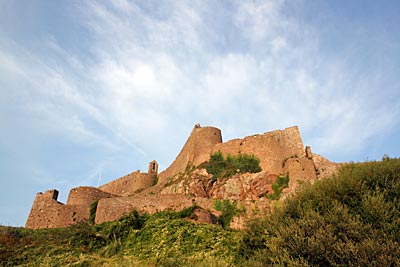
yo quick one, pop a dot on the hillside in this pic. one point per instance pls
(350, 219)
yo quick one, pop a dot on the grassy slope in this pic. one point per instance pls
(349, 220)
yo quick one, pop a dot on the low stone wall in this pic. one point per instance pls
(113, 208)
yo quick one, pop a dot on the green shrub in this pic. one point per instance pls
(171, 240)
(120, 229)
(228, 210)
(10, 232)
(352, 219)
(220, 166)
(280, 184)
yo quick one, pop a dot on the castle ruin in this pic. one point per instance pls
(279, 151)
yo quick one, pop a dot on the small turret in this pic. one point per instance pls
(153, 168)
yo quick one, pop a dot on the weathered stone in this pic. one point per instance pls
(280, 152)
(204, 216)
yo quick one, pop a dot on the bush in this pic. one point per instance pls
(228, 210)
(170, 240)
(352, 219)
(280, 184)
(220, 166)
(119, 230)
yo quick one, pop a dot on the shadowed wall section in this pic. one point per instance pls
(47, 212)
(196, 150)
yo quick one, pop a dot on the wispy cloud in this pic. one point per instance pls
(132, 77)
(152, 69)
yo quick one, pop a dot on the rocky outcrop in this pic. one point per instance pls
(246, 186)
(201, 215)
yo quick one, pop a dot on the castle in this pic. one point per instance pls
(279, 151)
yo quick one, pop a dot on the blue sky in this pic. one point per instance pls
(93, 90)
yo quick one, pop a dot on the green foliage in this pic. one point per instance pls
(118, 231)
(162, 239)
(155, 179)
(220, 166)
(92, 212)
(228, 210)
(352, 219)
(173, 241)
(280, 184)
(47, 247)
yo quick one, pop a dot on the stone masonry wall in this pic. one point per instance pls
(299, 169)
(280, 152)
(86, 195)
(111, 209)
(47, 212)
(196, 150)
(129, 184)
(272, 148)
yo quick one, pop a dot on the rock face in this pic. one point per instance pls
(204, 216)
(280, 152)
(247, 186)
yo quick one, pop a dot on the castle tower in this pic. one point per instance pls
(153, 167)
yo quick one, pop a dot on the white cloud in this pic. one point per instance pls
(260, 18)
(152, 72)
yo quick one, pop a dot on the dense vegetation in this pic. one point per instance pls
(352, 219)
(222, 167)
(162, 239)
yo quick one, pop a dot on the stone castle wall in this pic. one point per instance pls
(47, 212)
(129, 184)
(272, 148)
(196, 150)
(86, 195)
(113, 208)
(280, 152)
